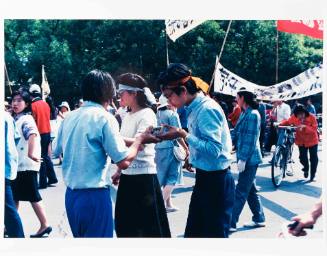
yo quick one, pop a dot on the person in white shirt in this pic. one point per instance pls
(121, 111)
(25, 186)
(281, 110)
(140, 209)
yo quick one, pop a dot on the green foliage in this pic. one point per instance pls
(71, 48)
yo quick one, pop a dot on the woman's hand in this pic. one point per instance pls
(116, 177)
(301, 127)
(35, 158)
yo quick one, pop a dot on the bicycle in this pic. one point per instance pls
(282, 155)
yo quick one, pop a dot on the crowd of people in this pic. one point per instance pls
(149, 141)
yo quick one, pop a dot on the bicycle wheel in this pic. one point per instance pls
(278, 167)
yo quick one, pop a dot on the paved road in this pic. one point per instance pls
(294, 196)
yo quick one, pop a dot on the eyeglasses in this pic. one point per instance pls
(168, 95)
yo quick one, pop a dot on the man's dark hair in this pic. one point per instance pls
(136, 81)
(98, 86)
(175, 72)
(35, 94)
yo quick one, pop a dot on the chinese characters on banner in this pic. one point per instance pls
(305, 84)
(313, 28)
(177, 28)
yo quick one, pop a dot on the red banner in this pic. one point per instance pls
(313, 28)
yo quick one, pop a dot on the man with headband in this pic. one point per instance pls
(210, 148)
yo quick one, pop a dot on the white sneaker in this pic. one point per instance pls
(232, 229)
(171, 209)
(253, 224)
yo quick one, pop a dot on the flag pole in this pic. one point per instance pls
(277, 42)
(6, 74)
(167, 53)
(221, 52)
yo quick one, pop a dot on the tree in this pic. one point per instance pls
(71, 48)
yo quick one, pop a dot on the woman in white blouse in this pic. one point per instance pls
(140, 209)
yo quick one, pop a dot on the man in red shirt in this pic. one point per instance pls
(41, 114)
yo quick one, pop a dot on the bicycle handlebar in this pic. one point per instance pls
(287, 127)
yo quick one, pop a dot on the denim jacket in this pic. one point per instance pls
(209, 138)
(246, 137)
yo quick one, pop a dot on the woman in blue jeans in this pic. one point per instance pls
(246, 138)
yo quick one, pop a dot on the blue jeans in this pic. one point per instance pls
(89, 212)
(13, 223)
(246, 191)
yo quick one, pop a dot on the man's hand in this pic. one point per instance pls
(305, 221)
(172, 133)
(147, 137)
(188, 166)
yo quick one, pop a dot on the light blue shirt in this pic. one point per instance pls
(167, 117)
(11, 155)
(89, 138)
(209, 138)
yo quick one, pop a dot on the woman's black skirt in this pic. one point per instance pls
(25, 187)
(140, 210)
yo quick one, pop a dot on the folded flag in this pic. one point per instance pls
(313, 28)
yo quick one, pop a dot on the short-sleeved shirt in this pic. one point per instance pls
(11, 139)
(132, 125)
(41, 114)
(26, 126)
(89, 138)
(283, 112)
(167, 117)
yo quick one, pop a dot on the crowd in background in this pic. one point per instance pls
(149, 140)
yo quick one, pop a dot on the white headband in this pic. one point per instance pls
(123, 87)
(148, 94)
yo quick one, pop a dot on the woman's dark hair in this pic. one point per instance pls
(98, 86)
(53, 109)
(300, 109)
(163, 108)
(249, 98)
(136, 81)
(25, 95)
(175, 72)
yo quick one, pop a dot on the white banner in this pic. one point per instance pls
(177, 28)
(305, 84)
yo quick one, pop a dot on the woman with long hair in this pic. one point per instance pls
(25, 186)
(140, 209)
(246, 138)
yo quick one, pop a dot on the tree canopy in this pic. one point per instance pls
(71, 48)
